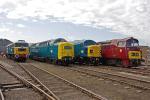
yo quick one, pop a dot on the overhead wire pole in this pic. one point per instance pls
(147, 54)
(1, 94)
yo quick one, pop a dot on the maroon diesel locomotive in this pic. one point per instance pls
(121, 52)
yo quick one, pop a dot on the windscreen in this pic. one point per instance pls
(67, 47)
(21, 45)
(132, 43)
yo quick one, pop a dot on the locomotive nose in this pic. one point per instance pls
(66, 50)
(94, 51)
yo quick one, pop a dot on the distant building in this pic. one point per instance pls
(3, 44)
(145, 51)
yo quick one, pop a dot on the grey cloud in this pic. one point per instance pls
(129, 17)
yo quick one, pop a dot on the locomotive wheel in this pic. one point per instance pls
(47, 60)
(24, 60)
(96, 63)
(103, 61)
(54, 62)
(65, 64)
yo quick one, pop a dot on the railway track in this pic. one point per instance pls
(133, 82)
(65, 90)
(40, 83)
(24, 83)
(141, 71)
(82, 92)
(55, 82)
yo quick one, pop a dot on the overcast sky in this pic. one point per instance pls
(38, 20)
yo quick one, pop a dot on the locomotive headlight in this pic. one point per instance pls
(120, 50)
(16, 56)
(51, 51)
(82, 51)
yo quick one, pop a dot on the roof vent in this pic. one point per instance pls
(21, 41)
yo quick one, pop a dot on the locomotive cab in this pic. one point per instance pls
(94, 53)
(121, 52)
(65, 52)
(87, 52)
(18, 51)
(21, 51)
(61, 51)
(134, 52)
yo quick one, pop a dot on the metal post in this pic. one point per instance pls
(1, 94)
(147, 57)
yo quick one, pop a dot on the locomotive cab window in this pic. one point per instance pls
(43, 44)
(21, 45)
(132, 43)
(37, 45)
(121, 44)
(21, 49)
(67, 47)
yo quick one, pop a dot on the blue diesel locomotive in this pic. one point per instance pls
(87, 52)
(57, 51)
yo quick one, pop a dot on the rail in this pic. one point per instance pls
(27, 83)
(84, 90)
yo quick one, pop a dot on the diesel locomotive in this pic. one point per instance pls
(87, 52)
(57, 51)
(121, 52)
(19, 51)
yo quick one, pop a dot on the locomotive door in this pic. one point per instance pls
(121, 49)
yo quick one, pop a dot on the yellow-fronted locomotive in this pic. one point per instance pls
(19, 51)
(57, 51)
(87, 52)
